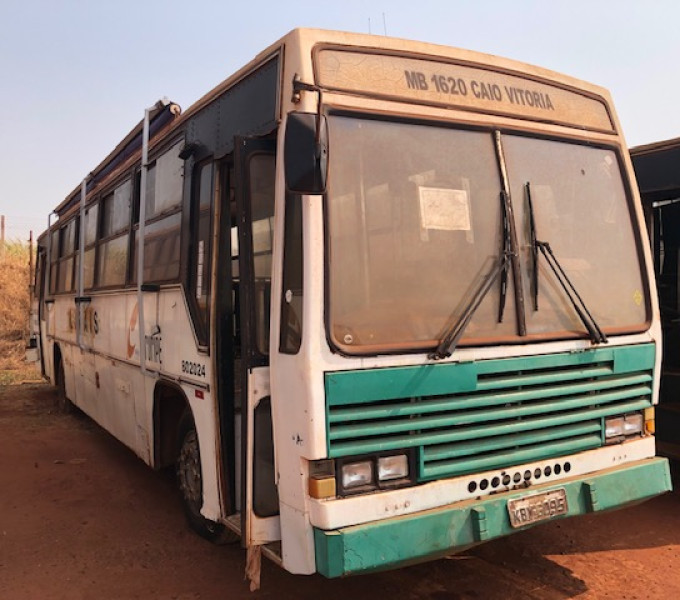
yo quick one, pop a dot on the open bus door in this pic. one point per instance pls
(255, 177)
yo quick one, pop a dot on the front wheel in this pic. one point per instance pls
(190, 483)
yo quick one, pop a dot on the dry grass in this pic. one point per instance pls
(14, 305)
(25, 373)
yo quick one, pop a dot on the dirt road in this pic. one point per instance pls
(82, 518)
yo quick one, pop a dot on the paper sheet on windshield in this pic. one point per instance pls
(445, 209)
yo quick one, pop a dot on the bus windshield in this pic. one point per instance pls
(415, 224)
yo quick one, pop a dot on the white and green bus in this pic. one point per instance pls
(376, 300)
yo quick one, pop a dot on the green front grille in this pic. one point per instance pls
(471, 417)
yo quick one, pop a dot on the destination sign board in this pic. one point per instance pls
(463, 86)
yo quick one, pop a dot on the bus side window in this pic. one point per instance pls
(91, 221)
(113, 243)
(67, 248)
(201, 250)
(54, 260)
(162, 230)
(292, 290)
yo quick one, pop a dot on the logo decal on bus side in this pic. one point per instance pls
(153, 346)
(90, 320)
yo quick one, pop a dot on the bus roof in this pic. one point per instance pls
(166, 116)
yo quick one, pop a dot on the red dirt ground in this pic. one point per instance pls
(82, 518)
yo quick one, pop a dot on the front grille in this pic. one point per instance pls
(490, 414)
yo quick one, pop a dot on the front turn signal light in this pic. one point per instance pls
(650, 426)
(321, 487)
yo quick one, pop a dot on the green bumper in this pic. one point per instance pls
(438, 532)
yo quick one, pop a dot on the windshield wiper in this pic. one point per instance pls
(500, 269)
(596, 334)
(450, 340)
(534, 247)
(506, 253)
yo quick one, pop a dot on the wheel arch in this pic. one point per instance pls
(57, 359)
(169, 404)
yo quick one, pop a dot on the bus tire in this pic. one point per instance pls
(64, 405)
(190, 484)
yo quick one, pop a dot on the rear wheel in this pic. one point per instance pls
(190, 482)
(63, 403)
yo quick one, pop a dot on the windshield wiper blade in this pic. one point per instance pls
(506, 251)
(596, 334)
(534, 247)
(500, 269)
(453, 335)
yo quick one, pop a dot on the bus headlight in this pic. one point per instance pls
(392, 467)
(618, 429)
(613, 427)
(357, 474)
(633, 424)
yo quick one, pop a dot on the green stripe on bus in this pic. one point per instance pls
(374, 385)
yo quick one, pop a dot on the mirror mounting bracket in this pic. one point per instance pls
(300, 86)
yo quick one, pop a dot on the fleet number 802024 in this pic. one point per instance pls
(192, 368)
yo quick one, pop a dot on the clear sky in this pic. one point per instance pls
(76, 75)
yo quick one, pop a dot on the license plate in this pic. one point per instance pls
(539, 507)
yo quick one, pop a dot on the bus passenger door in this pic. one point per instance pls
(255, 177)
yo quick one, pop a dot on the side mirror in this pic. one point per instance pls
(306, 153)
